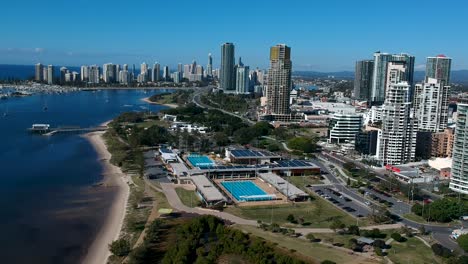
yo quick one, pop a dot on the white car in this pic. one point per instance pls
(367, 203)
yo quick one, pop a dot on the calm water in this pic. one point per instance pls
(50, 212)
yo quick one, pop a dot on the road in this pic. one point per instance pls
(439, 233)
(197, 100)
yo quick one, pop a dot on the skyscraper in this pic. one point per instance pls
(166, 73)
(186, 72)
(193, 67)
(39, 71)
(431, 105)
(227, 76)
(110, 72)
(50, 74)
(398, 142)
(439, 68)
(156, 74)
(180, 67)
(279, 80)
(94, 74)
(363, 79)
(459, 179)
(84, 73)
(242, 78)
(63, 72)
(209, 66)
(379, 75)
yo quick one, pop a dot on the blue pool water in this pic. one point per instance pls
(246, 191)
(200, 161)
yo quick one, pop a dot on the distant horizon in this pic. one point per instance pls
(174, 67)
(324, 36)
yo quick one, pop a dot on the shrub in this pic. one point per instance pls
(397, 237)
(327, 262)
(120, 247)
(441, 251)
(379, 244)
(463, 242)
(378, 251)
(310, 237)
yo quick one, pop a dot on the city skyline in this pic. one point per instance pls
(318, 42)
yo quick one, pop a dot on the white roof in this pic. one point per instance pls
(179, 168)
(282, 185)
(207, 188)
(440, 163)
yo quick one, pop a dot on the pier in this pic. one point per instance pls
(46, 130)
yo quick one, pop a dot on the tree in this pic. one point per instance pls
(463, 242)
(120, 247)
(354, 230)
(379, 243)
(348, 182)
(221, 139)
(327, 262)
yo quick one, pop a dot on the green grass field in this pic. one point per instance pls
(188, 198)
(314, 252)
(302, 181)
(318, 213)
(412, 251)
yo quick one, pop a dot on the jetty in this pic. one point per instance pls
(47, 130)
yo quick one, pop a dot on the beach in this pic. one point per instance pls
(98, 252)
(147, 100)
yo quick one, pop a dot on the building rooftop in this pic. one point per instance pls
(207, 188)
(252, 154)
(282, 185)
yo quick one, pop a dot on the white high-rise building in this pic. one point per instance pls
(186, 73)
(84, 73)
(93, 74)
(124, 76)
(379, 73)
(50, 74)
(459, 177)
(431, 105)
(344, 127)
(399, 126)
(45, 74)
(39, 71)
(242, 78)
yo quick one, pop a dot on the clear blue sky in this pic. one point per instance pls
(324, 35)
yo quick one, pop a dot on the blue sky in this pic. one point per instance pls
(324, 35)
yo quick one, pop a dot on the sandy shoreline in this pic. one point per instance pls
(98, 252)
(149, 102)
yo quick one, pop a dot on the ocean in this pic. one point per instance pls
(50, 211)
